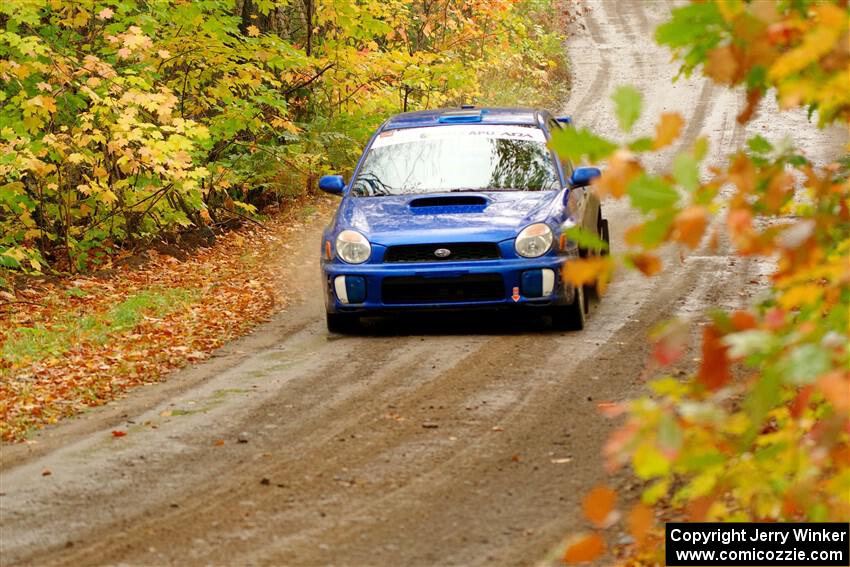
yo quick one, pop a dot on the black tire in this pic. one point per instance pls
(603, 232)
(591, 292)
(570, 317)
(343, 323)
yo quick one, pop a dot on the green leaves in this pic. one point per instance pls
(585, 239)
(686, 172)
(758, 144)
(693, 30)
(649, 193)
(576, 144)
(627, 106)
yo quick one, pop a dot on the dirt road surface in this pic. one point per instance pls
(450, 441)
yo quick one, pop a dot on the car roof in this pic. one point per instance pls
(476, 115)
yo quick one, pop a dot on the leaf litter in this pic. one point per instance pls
(81, 341)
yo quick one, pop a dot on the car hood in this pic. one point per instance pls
(443, 217)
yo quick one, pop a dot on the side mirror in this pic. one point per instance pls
(582, 176)
(333, 184)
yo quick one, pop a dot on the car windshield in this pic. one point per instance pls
(457, 158)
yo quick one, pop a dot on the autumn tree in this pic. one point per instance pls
(760, 430)
(124, 121)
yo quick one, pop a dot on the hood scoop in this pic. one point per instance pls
(448, 204)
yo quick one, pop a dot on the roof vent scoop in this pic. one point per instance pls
(471, 116)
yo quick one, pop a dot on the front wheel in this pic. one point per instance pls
(570, 317)
(605, 235)
(343, 323)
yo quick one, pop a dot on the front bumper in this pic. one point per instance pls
(455, 285)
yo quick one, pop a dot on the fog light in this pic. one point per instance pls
(538, 283)
(350, 289)
(532, 283)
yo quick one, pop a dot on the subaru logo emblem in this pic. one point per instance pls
(442, 252)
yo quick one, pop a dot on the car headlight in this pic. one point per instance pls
(534, 240)
(352, 247)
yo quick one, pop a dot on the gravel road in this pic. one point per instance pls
(450, 441)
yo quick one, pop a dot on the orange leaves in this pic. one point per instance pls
(622, 169)
(585, 549)
(689, 225)
(743, 321)
(714, 371)
(722, 65)
(834, 387)
(667, 130)
(648, 264)
(744, 236)
(753, 98)
(119, 433)
(598, 505)
(640, 521)
(587, 271)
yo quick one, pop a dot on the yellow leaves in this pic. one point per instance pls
(135, 39)
(622, 169)
(648, 462)
(287, 125)
(689, 225)
(667, 129)
(39, 104)
(253, 31)
(801, 296)
(818, 42)
(105, 14)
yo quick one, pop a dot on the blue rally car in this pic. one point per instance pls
(458, 209)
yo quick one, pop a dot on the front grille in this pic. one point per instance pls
(458, 252)
(478, 287)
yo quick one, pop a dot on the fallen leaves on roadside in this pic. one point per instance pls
(225, 290)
